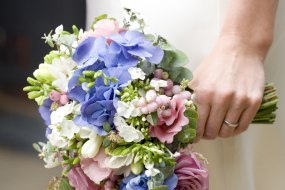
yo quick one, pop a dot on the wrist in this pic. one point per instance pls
(240, 45)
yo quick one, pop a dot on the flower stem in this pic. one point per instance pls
(266, 113)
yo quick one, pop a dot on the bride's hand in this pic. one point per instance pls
(229, 86)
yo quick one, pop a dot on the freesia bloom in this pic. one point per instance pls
(78, 179)
(95, 168)
(171, 119)
(129, 133)
(191, 173)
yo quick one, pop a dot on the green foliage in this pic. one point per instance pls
(174, 62)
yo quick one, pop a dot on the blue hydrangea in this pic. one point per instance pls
(90, 51)
(126, 47)
(171, 182)
(45, 111)
(76, 90)
(134, 182)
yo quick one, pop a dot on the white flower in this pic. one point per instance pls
(51, 161)
(116, 162)
(69, 129)
(127, 132)
(91, 147)
(56, 139)
(150, 170)
(58, 115)
(128, 109)
(136, 73)
(57, 31)
(86, 132)
(62, 70)
(156, 84)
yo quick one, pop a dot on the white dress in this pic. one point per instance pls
(254, 160)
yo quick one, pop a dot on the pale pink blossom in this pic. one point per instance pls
(78, 179)
(104, 27)
(171, 119)
(95, 168)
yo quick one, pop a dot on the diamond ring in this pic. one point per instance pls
(229, 124)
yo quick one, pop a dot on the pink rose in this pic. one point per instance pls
(95, 168)
(191, 173)
(171, 119)
(104, 27)
(79, 180)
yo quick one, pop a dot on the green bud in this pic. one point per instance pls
(31, 88)
(34, 94)
(88, 73)
(97, 74)
(76, 161)
(106, 82)
(137, 168)
(33, 82)
(75, 30)
(43, 74)
(106, 142)
(40, 100)
(51, 56)
(90, 84)
(107, 127)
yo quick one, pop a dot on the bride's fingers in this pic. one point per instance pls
(248, 115)
(232, 116)
(203, 113)
(216, 117)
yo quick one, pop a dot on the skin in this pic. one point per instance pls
(229, 83)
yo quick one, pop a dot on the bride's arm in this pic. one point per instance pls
(229, 83)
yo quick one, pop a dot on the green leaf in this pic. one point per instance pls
(186, 135)
(167, 60)
(37, 147)
(190, 113)
(179, 73)
(64, 185)
(154, 118)
(147, 67)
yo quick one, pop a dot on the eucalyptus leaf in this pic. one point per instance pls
(186, 135)
(190, 113)
(147, 67)
(179, 73)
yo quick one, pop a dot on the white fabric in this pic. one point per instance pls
(254, 160)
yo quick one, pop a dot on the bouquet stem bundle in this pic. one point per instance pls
(266, 113)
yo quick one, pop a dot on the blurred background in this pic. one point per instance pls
(22, 24)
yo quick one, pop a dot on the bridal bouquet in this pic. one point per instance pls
(118, 109)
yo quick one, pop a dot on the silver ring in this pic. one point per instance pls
(229, 124)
